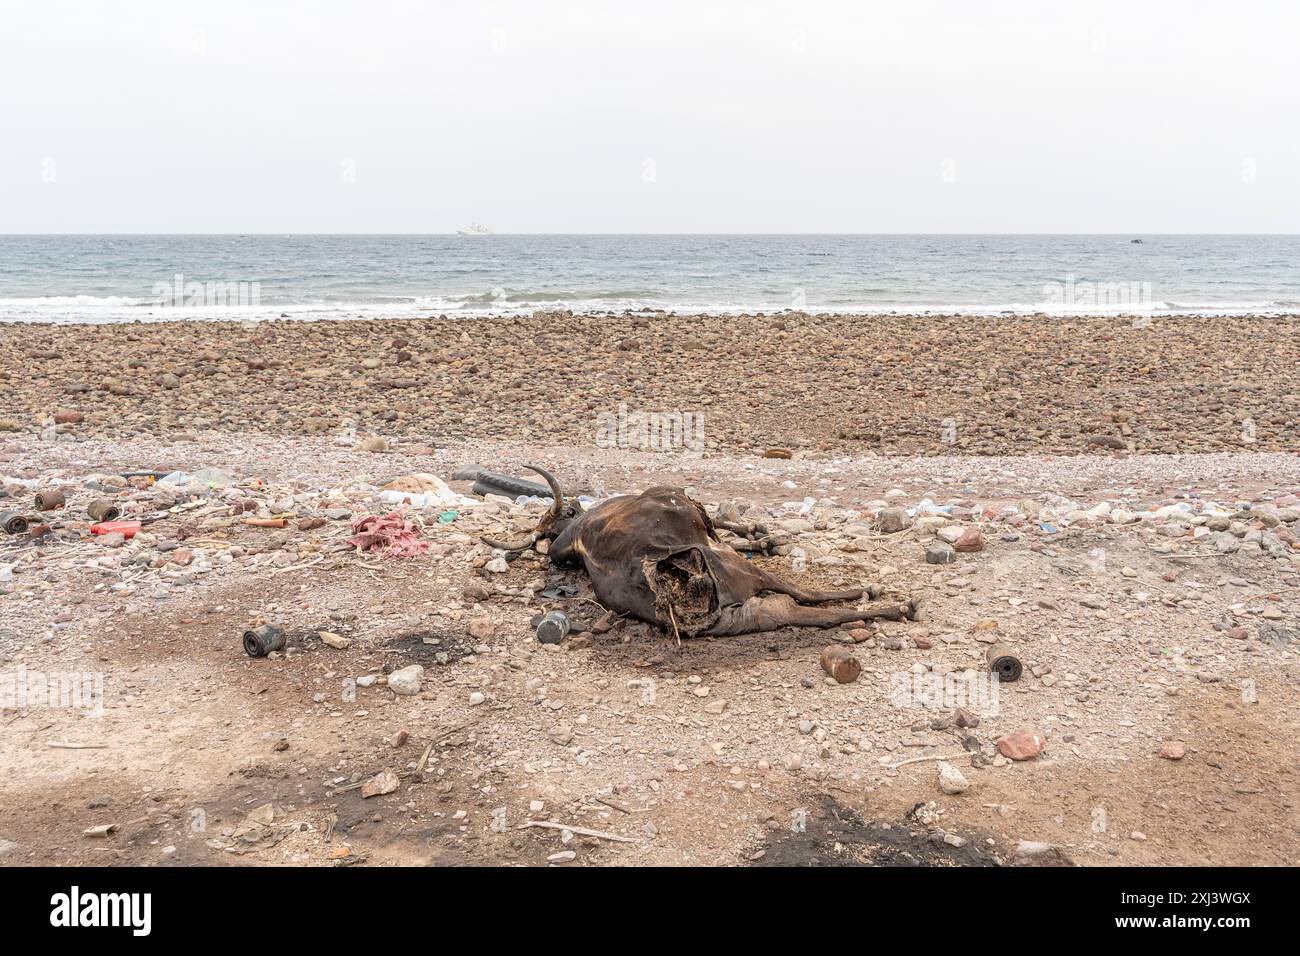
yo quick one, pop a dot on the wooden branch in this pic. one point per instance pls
(580, 831)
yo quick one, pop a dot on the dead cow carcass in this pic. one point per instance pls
(657, 556)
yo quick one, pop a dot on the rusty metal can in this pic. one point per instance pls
(1004, 662)
(12, 522)
(838, 661)
(261, 641)
(49, 499)
(103, 510)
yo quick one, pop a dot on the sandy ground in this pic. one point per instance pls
(733, 750)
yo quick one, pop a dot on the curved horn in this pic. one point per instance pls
(557, 493)
(518, 544)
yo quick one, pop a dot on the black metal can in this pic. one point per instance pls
(261, 641)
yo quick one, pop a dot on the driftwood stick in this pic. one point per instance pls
(580, 831)
(904, 763)
(424, 758)
(611, 804)
(296, 567)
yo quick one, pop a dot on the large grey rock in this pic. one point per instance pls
(892, 520)
(940, 552)
(951, 780)
(407, 680)
(1225, 542)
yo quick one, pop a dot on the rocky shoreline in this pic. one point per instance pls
(812, 385)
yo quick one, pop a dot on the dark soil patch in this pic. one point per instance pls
(836, 836)
(428, 648)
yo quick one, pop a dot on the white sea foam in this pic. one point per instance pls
(105, 311)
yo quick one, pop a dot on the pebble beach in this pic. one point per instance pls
(920, 385)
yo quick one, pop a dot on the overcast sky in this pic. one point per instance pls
(911, 116)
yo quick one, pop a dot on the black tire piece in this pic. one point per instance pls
(493, 483)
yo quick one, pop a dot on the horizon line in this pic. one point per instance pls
(291, 232)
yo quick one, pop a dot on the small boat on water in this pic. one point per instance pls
(477, 229)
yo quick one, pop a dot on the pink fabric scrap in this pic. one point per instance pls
(391, 535)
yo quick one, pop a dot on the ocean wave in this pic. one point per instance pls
(90, 309)
(551, 296)
(64, 315)
(79, 301)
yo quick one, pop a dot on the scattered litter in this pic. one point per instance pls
(390, 535)
(12, 522)
(1003, 661)
(839, 663)
(212, 478)
(49, 499)
(103, 510)
(420, 490)
(127, 529)
(261, 641)
(553, 628)
(558, 591)
(267, 522)
(494, 483)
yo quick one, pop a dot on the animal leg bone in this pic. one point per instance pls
(772, 582)
(774, 611)
(741, 528)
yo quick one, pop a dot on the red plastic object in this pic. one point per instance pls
(128, 528)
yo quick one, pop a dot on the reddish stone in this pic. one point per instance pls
(970, 540)
(1173, 750)
(964, 718)
(68, 418)
(1238, 633)
(182, 556)
(1022, 745)
(310, 524)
